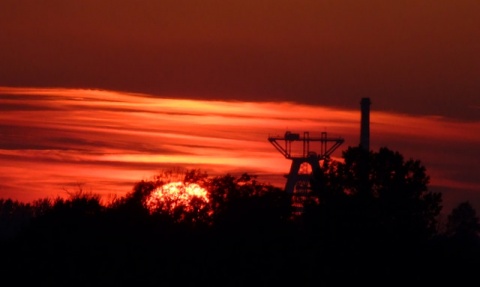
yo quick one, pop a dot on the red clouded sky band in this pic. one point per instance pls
(53, 140)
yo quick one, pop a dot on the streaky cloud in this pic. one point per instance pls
(59, 135)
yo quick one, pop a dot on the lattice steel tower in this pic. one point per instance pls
(305, 159)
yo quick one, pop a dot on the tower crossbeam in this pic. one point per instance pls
(304, 158)
(289, 138)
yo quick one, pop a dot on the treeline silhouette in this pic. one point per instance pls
(370, 219)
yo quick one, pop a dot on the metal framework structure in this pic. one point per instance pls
(305, 159)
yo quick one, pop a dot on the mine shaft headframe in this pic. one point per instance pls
(327, 145)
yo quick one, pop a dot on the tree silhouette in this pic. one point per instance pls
(14, 217)
(463, 222)
(396, 192)
(372, 218)
(459, 247)
(372, 205)
(244, 200)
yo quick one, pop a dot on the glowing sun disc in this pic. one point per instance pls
(175, 194)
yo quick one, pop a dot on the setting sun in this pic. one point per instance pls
(172, 195)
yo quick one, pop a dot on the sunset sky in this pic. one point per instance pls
(107, 93)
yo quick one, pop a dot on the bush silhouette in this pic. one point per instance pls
(372, 211)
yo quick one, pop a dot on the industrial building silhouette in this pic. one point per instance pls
(306, 157)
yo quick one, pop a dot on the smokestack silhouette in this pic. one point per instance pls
(365, 124)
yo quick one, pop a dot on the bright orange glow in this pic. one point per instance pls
(177, 194)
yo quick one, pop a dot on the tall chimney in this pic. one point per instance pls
(365, 124)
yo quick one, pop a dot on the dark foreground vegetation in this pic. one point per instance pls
(370, 220)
